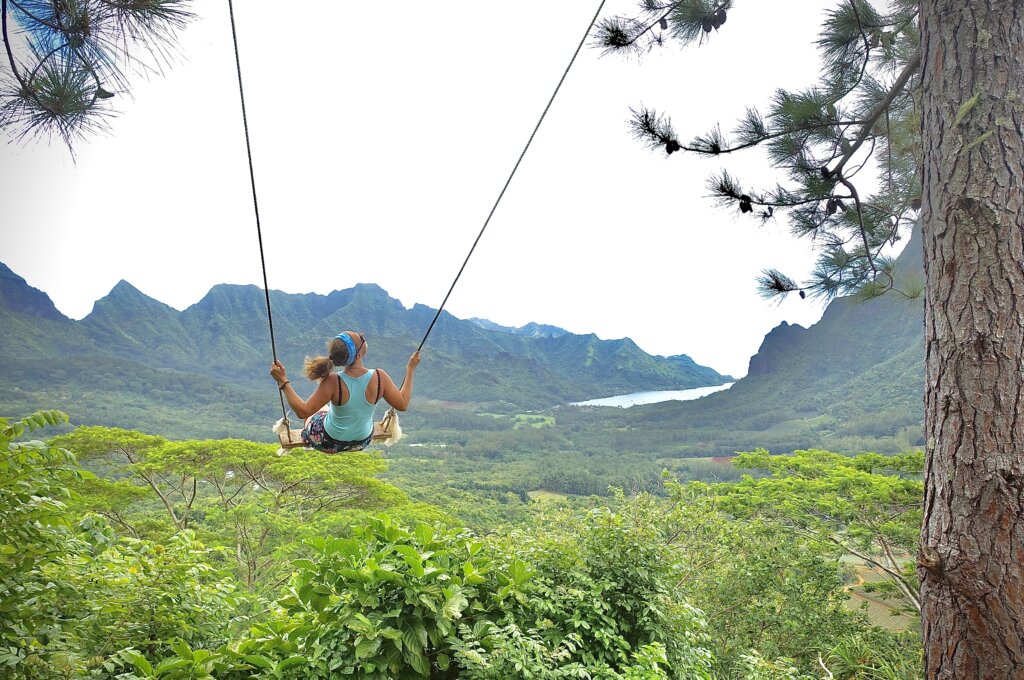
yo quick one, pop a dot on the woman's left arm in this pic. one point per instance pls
(302, 408)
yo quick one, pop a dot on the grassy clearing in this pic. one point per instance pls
(524, 421)
(545, 496)
(800, 425)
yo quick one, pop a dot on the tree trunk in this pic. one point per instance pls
(972, 544)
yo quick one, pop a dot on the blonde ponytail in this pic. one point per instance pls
(318, 368)
(321, 367)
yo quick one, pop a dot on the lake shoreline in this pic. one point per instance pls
(654, 396)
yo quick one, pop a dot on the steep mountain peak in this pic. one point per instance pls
(125, 300)
(123, 285)
(20, 298)
(123, 290)
(778, 341)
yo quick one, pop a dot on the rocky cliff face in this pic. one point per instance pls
(858, 372)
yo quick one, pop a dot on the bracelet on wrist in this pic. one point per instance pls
(283, 385)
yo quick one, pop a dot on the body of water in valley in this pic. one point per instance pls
(637, 398)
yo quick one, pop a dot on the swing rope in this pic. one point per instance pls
(255, 202)
(512, 174)
(256, 208)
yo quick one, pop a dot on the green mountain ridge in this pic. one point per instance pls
(850, 382)
(203, 371)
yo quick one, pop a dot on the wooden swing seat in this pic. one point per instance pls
(384, 430)
(292, 439)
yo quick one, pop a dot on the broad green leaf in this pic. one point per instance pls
(170, 664)
(258, 660)
(139, 661)
(424, 534)
(367, 647)
(454, 605)
(415, 637)
(520, 572)
(418, 661)
(410, 553)
(182, 649)
(292, 661)
(361, 624)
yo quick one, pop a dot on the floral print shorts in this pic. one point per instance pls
(315, 435)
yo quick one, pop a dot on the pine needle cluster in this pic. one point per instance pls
(657, 22)
(847, 147)
(68, 59)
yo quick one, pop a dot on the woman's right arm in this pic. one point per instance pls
(302, 408)
(399, 397)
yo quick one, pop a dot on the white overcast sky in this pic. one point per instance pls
(382, 134)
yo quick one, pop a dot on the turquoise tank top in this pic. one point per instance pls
(353, 420)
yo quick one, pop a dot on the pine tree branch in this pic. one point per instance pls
(888, 149)
(860, 219)
(623, 33)
(867, 157)
(59, 29)
(732, 194)
(867, 50)
(878, 111)
(657, 22)
(657, 132)
(882, 108)
(95, 76)
(55, 27)
(809, 135)
(810, 127)
(130, 6)
(43, 60)
(906, 20)
(10, 53)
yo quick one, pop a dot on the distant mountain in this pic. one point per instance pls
(854, 380)
(136, 362)
(530, 330)
(31, 326)
(20, 298)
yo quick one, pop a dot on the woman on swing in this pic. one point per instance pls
(339, 413)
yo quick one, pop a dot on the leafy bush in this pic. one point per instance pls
(388, 600)
(133, 593)
(611, 579)
(594, 598)
(72, 593)
(601, 593)
(34, 533)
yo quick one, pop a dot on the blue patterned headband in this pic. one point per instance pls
(350, 345)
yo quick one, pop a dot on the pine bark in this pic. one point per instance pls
(971, 562)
